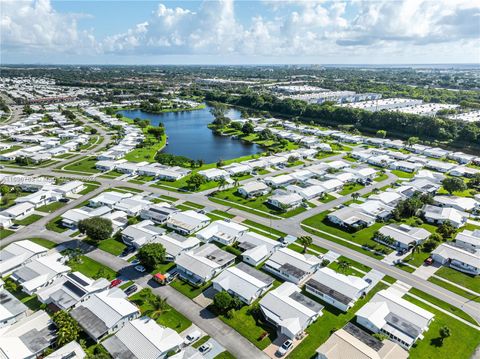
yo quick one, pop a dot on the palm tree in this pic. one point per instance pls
(305, 241)
(221, 182)
(444, 333)
(159, 306)
(235, 182)
(343, 266)
(355, 195)
(415, 249)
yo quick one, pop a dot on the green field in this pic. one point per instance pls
(56, 225)
(28, 220)
(51, 207)
(187, 289)
(403, 174)
(91, 268)
(43, 242)
(86, 165)
(112, 246)
(463, 279)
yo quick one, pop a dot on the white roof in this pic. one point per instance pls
(461, 203)
(145, 339)
(404, 233)
(448, 251)
(187, 219)
(17, 253)
(67, 352)
(174, 245)
(470, 237)
(439, 213)
(221, 229)
(348, 285)
(17, 209)
(304, 262)
(111, 197)
(254, 186)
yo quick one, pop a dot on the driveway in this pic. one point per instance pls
(426, 272)
(216, 349)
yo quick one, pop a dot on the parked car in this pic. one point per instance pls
(14, 226)
(130, 290)
(205, 348)
(135, 262)
(115, 283)
(140, 268)
(127, 251)
(192, 337)
(428, 261)
(64, 200)
(284, 348)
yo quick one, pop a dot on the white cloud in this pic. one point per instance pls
(322, 30)
(35, 26)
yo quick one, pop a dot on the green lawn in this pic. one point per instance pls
(4, 233)
(403, 174)
(270, 232)
(43, 242)
(258, 203)
(454, 289)
(112, 246)
(417, 259)
(362, 237)
(28, 220)
(127, 189)
(350, 188)
(167, 198)
(169, 318)
(439, 303)
(251, 326)
(147, 153)
(56, 225)
(30, 301)
(88, 188)
(381, 177)
(125, 285)
(201, 341)
(194, 205)
(86, 165)
(461, 344)
(327, 198)
(224, 355)
(463, 279)
(91, 268)
(51, 207)
(331, 320)
(222, 214)
(187, 289)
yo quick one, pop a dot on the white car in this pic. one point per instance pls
(192, 337)
(140, 269)
(286, 346)
(205, 348)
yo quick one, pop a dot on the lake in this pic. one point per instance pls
(189, 136)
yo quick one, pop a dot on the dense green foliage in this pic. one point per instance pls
(96, 228)
(151, 255)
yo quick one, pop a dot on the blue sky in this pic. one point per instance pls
(240, 32)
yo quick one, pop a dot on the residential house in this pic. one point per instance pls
(104, 313)
(463, 171)
(292, 266)
(424, 185)
(280, 181)
(214, 174)
(253, 189)
(40, 198)
(406, 166)
(14, 255)
(71, 217)
(69, 289)
(351, 218)
(468, 239)
(109, 199)
(158, 213)
(187, 222)
(69, 188)
(339, 290)
(439, 215)
(40, 272)
(401, 236)
(132, 205)
(244, 282)
(464, 204)
(256, 248)
(143, 338)
(307, 193)
(440, 166)
(463, 259)
(237, 169)
(175, 244)
(28, 338)
(331, 185)
(201, 264)
(391, 315)
(389, 198)
(430, 175)
(72, 350)
(221, 231)
(284, 200)
(18, 211)
(289, 310)
(353, 342)
(139, 234)
(11, 308)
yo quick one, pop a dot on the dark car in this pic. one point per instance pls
(130, 290)
(127, 251)
(428, 261)
(64, 200)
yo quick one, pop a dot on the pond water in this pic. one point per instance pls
(189, 136)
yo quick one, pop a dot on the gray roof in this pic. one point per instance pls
(403, 325)
(306, 302)
(292, 270)
(117, 349)
(12, 304)
(328, 291)
(261, 276)
(38, 340)
(363, 336)
(89, 321)
(25, 274)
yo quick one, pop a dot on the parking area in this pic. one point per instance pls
(272, 349)
(216, 349)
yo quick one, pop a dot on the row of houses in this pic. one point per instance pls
(156, 170)
(105, 314)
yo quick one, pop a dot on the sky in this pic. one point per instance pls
(239, 32)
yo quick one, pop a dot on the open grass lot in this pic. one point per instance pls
(112, 246)
(403, 174)
(326, 198)
(251, 326)
(86, 165)
(461, 344)
(331, 320)
(381, 177)
(51, 207)
(146, 153)
(463, 279)
(417, 259)
(466, 193)
(362, 237)
(169, 318)
(4, 233)
(194, 205)
(454, 289)
(28, 220)
(127, 189)
(91, 268)
(439, 303)
(56, 225)
(355, 264)
(88, 188)
(224, 355)
(223, 214)
(187, 289)
(259, 203)
(350, 188)
(43, 242)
